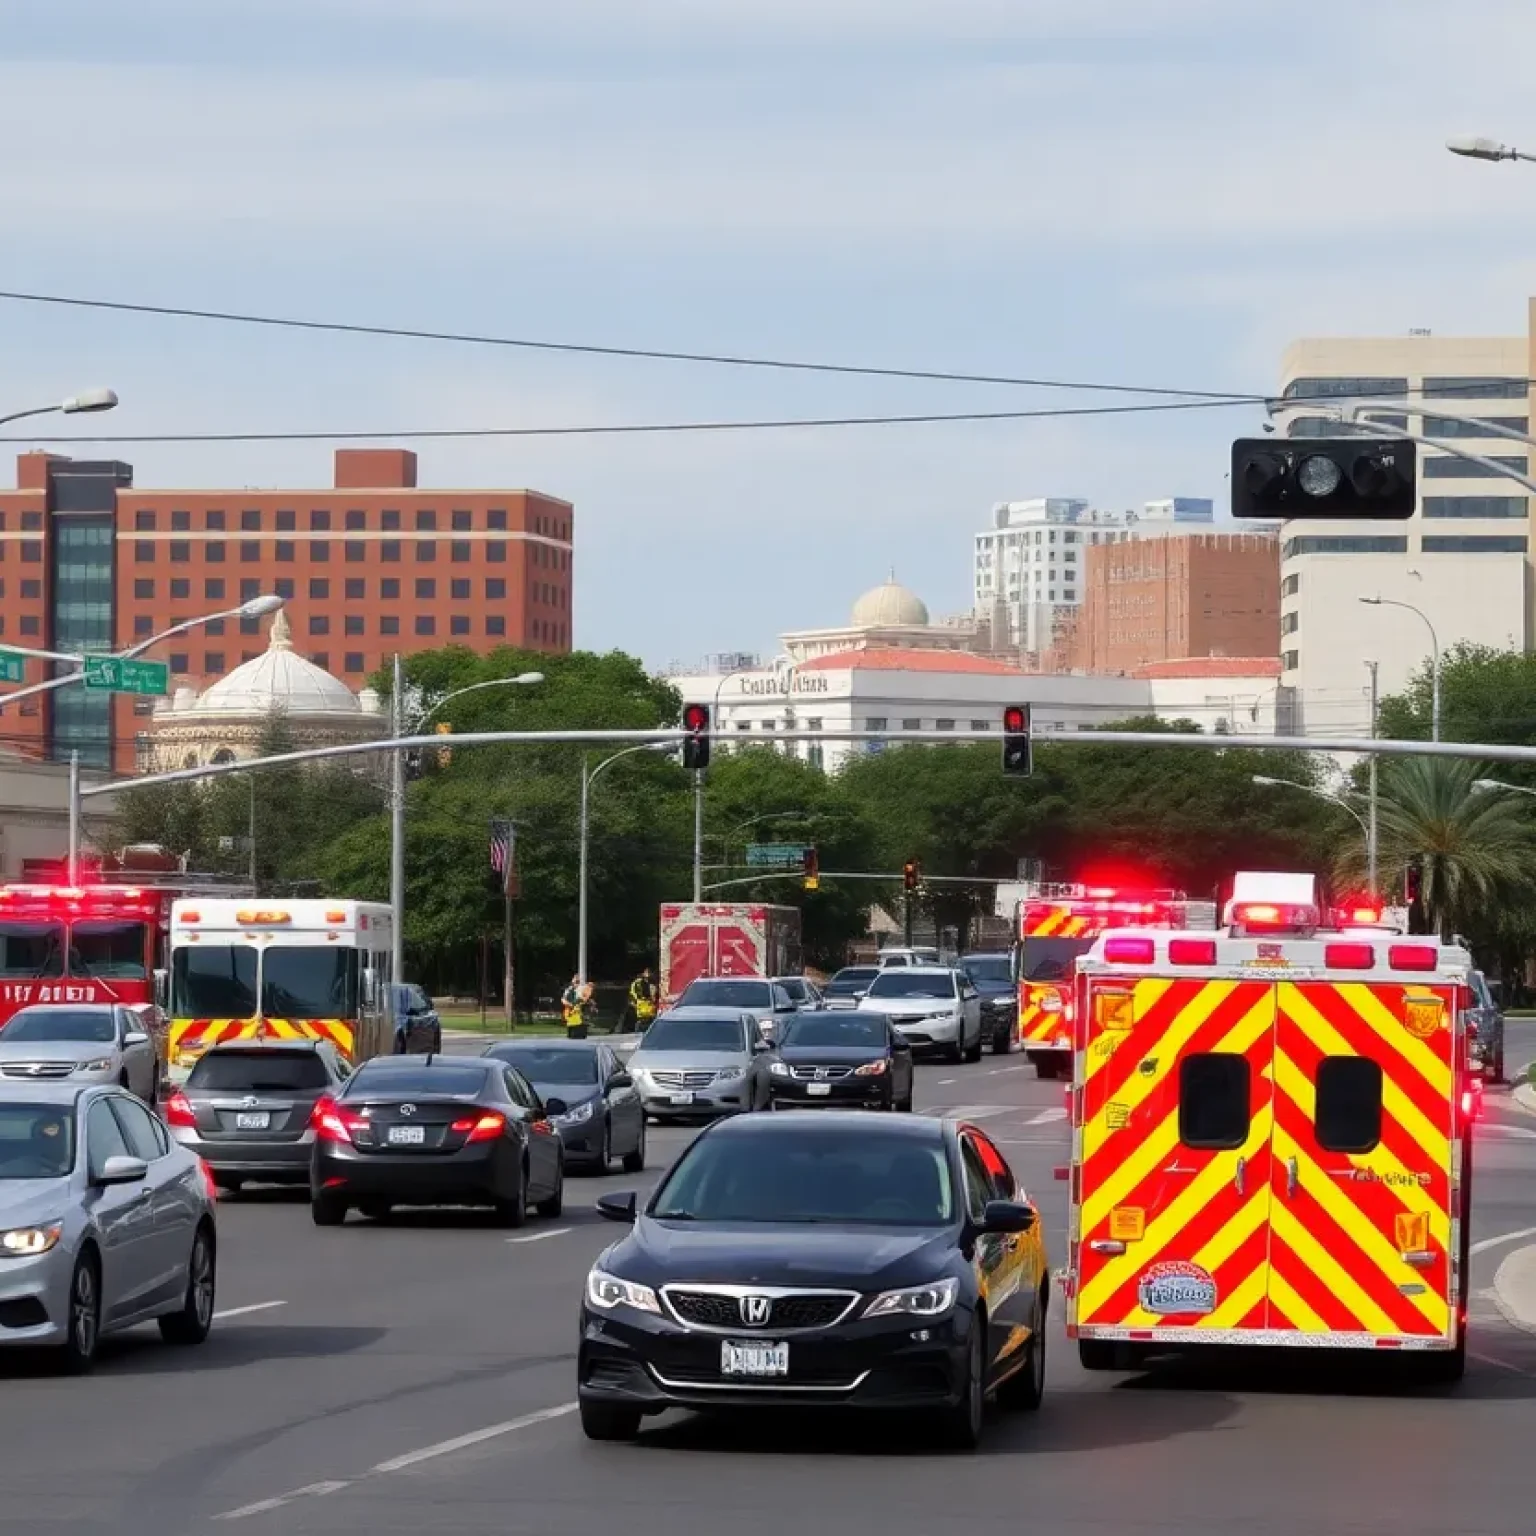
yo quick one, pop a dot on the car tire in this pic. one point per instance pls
(553, 1206)
(1045, 1068)
(77, 1354)
(905, 1107)
(192, 1323)
(634, 1162)
(961, 1425)
(973, 1053)
(327, 1210)
(604, 1159)
(1024, 1391)
(609, 1421)
(514, 1212)
(1001, 1042)
(954, 1054)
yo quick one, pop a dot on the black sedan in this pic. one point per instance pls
(841, 1061)
(436, 1130)
(820, 1260)
(604, 1117)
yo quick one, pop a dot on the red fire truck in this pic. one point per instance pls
(1059, 923)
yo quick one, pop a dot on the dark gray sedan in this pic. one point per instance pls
(246, 1108)
(604, 1118)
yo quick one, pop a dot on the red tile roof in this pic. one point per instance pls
(893, 659)
(1212, 666)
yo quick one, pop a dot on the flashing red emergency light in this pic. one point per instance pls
(1192, 951)
(696, 743)
(1257, 916)
(1413, 957)
(1127, 951)
(1349, 957)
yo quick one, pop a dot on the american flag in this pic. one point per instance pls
(501, 846)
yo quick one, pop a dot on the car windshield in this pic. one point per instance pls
(436, 1081)
(847, 982)
(549, 1063)
(307, 982)
(811, 1176)
(725, 994)
(852, 1029)
(669, 1034)
(259, 1072)
(94, 1025)
(37, 1141)
(213, 982)
(912, 984)
(1052, 959)
(31, 949)
(108, 950)
(988, 968)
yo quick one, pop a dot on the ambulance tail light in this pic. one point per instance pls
(1413, 957)
(1192, 951)
(1130, 951)
(190, 917)
(1349, 957)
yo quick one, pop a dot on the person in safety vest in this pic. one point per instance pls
(574, 1002)
(642, 998)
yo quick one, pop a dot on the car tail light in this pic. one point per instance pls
(1192, 951)
(485, 1128)
(178, 1110)
(1413, 957)
(1129, 951)
(1349, 957)
(330, 1122)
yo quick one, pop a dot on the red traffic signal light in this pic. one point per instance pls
(1017, 751)
(696, 744)
(910, 875)
(810, 863)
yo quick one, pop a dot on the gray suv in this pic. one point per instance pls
(1486, 1015)
(767, 1001)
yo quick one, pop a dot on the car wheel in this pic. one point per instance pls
(634, 1162)
(556, 1202)
(604, 1158)
(191, 1324)
(327, 1210)
(1000, 1042)
(954, 1054)
(78, 1352)
(973, 1053)
(609, 1421)
(906, 1104)
(1045, 1068)
(514, 1212)
(1025, 1389)
(962, 1424)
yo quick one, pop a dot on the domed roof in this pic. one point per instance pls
(891, 604)
(279, 679)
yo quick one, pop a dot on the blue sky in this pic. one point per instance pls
(1158, 192)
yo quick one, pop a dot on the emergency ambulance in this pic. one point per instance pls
(283, 970)
(1056, 924)
(1271, 1137)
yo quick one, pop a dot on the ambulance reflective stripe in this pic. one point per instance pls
(1055, 923)
(197, 1035)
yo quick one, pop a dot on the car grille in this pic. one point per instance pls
(919, 1018)
(801, 1309)
(820, 1074)
(683, 1079)
(37, 1069)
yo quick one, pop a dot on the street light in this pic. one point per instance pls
(1487, 785)
(1333, 799)
(397, 795)
(587, 777)
(1473, 148)
(86, 401)
(1434, 644)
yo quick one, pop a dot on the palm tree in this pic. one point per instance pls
(1475, 848)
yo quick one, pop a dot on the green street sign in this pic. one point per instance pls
(117, 675)
(775, 855)
(13, 668)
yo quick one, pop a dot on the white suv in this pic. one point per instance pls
(935, 1008)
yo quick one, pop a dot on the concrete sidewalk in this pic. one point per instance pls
(1514, 1288)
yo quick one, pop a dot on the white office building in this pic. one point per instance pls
(1456, 571)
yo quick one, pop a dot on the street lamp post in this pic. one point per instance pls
(1434, 659)
(1333, 799)
(1513, 789)
(87, 401)
(1474, 148)
(1371, 838)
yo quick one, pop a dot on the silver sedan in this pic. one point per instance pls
(105, 1222)
(80, 1043)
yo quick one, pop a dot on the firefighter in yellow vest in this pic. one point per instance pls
(642, 998)
(574, 1002)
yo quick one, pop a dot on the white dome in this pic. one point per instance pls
(890, 606)
(279, 679)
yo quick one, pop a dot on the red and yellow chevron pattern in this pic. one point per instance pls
(1056, 922)
(189, 1038)
(1277, 1235)
(1038, 1024)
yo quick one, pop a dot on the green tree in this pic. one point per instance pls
(1485, 695)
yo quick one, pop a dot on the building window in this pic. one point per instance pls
(215, 522)
(249, 588)
(144, 521)
(250, 626)
(353, 662)
(287, 520)
(426, 520)
(1290, 623)
(321, 659)
(319, 624)
(31, 552)
(213, 663)
(1332, 389)
(320, 551)
(320, 520)
(425, 624)
(426, 587)
(1290, 586)
(426, 552)
(1460, 469)
(389, 588)
(250, 519)
(30, 587)
(213, 553)
(214, 627)
(143, 589)
(319, 587)
(1458, 426)
(181, 589)
(459, 588)
(495, 589)
(285, 550)
(1475, 506)
(1290, 660)
(283, 587)
(250, 552)
(1364, 544)
(181, 551)
(1326, 426)
(496, 518)
(876, 723)
(179, 663)
(357, 589)
(143, 624)
(496, 551)
(1476, 389)
(389, 624)
(981, 725)
(352, 624)
(389, 520)
(459, 624)
(31, 624)
(495, 624)
(463, 519)
(938, 725)
(1471, 544)
(459, 552)
(390, 550)
(357, 552)
(356, 519)
(181, 522)
(213, 588)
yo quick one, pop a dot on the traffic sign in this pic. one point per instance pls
(775, 855)
(120, 675)
(13, 668)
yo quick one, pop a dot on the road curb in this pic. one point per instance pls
(1514, 1288)
(1524, 1095)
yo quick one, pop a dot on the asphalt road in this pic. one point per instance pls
(418, 1377)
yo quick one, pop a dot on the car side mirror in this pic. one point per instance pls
(617, 1207)
(556, 1107)
(1008, 1216)
(122, 1170)
(135, 1037)
(620, 1080)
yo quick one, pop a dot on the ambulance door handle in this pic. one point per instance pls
(1240, 1178)
(1292, 1177)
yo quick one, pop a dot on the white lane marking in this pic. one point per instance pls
(945, 1082)
(967, 1111)
(1046, 1116)
(538, 1237)
(261, 1506)
(255, 1306)
(1502, 1238)
(998, 1071)
(475, 1437)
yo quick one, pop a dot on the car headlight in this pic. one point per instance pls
(104, 1065)
(778, 1069)
(915, 1301)
(577, 1116)
(607, 1291)
(871, 1069)
(24, 1242)
(726, 1074)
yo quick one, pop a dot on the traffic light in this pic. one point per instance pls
(811, 866)
(1018, 755)
(1324, 477)
(444, 754)
(696, 745)
(911, 873)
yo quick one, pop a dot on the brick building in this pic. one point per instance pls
(1166, 598)
(371, 566)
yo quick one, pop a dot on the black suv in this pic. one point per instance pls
(992, 976)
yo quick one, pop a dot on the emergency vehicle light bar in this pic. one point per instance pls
(256, 919)
(1273, 917)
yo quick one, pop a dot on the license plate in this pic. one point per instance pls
(682, 1098)
(753, 1359)
(407, 1135)
(253, 1122)
(818, 1090)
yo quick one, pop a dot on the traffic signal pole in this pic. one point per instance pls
(698, 835)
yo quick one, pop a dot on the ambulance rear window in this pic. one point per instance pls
(1348, 1104)
(1214, 1107)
